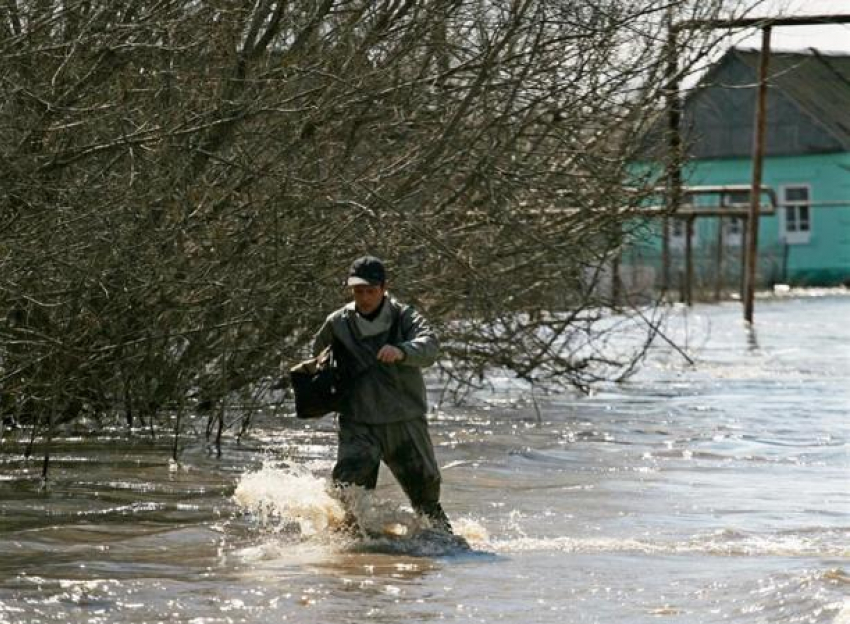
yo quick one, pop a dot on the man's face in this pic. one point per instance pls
(367, 298)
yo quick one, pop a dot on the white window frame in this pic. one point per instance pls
(796, 236)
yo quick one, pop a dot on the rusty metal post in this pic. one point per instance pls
(674, 143)
(742, 278)
(665, 254)
(755, 190)
(689, 261)
(616, 283)
(718, 266)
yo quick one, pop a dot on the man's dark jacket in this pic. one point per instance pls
(382, 393)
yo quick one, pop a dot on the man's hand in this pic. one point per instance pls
(390, 354)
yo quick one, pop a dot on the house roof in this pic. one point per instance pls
(808, 105)
(818, 83)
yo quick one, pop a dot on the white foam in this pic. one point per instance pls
(472, 531)
(302, 507)
(282, 496)
(722, 546)
(289, 495)
(843, 612)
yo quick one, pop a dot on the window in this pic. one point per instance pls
(736, 199)
(796, 212)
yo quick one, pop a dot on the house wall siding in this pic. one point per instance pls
(823, 260)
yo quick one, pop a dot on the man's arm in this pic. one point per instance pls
(420, 344)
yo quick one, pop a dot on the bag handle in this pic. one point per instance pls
(392, 336)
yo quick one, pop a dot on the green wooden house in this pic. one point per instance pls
(807, 164)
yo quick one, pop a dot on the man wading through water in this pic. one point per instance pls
(387, 344)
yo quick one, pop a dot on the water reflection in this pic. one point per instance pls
(752, 337)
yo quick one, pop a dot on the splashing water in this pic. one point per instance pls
(843, 614)
(473, 532)
(282, 496)
(294, 502)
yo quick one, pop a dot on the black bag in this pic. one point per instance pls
(319, 385)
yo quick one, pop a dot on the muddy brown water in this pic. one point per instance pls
(714, 493)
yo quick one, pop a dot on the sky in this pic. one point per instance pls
(833, 38)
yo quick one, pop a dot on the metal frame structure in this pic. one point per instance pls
(674, 112)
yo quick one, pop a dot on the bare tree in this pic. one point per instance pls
(184, 183)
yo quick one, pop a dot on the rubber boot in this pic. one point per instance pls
(439, 519)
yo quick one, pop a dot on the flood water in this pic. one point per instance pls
(713, 493)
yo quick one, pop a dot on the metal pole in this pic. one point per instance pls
(718, 275)
(665, 255)
(755, 190)
(745, 236)
(761, 22)
(674, 142)
(689, 261)
(616, 284)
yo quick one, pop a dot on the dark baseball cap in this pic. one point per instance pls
(366, 270)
